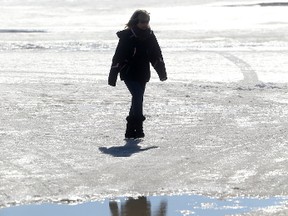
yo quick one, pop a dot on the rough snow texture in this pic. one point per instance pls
(64, 140)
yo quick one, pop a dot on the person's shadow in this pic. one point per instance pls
(130, 147)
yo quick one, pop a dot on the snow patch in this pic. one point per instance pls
(241, 176)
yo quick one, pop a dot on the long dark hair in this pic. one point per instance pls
(135, 18)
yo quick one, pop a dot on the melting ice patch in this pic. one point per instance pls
(182, 205)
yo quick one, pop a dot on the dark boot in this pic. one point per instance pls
(130, 127)
(139, 133)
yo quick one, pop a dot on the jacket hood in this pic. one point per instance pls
(123, 33)
(135, 32)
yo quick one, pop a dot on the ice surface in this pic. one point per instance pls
(217, 127)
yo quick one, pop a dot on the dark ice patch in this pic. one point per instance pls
(268, 4)
(22, 31)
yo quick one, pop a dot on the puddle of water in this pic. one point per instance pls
(183, 205)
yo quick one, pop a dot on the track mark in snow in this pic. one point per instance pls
(250, 75)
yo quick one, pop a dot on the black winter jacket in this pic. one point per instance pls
(135, 51)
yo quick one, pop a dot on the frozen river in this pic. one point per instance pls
(218, 127)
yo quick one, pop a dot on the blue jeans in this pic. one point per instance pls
(137, 90)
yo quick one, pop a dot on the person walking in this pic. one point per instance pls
(136, 49)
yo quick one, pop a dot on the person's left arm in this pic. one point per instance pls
(156, 58)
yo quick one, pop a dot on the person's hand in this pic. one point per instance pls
(112, 78)
(111, 84)
(112, 81)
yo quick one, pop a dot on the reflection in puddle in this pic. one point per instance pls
(140, 206)
(183, 205)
